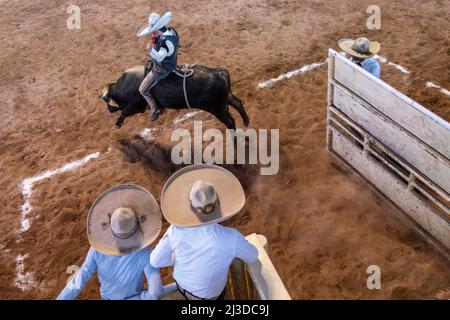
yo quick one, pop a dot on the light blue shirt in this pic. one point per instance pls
(201, 256)
(372, 66)
(121, 277)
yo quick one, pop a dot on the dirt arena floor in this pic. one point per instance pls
(324, 226)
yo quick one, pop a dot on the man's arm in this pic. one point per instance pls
(244, 250)
(163, 52)
(158, 55)
(162, 255)
(155, 288)
(74, 286)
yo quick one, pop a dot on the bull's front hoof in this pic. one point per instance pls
(117, 126)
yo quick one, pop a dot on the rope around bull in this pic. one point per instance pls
(188, 70)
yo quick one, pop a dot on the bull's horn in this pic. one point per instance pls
(105, 92)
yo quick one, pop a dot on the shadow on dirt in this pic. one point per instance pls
(158, 157)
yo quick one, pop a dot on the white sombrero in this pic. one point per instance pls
(155, 22)
(201, 194)
(124, 219)
(360, 48)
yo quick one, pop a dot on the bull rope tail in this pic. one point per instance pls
(185, 94)
(187, 70)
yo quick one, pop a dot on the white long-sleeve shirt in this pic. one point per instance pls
(201, 256)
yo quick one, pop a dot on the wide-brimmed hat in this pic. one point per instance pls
(125, 218)
(361, 48)
(201, 194)
(155, 22)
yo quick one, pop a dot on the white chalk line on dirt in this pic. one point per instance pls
(27, 185)
(395, 65)
(442, 90)
(315, 65)
(24, 280)
(290, 74)
(185, 117)
(429, 84)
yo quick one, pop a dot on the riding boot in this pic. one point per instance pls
(156, 114)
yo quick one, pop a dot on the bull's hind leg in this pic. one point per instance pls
(227, 119)
(236, 103)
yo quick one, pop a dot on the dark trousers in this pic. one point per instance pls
(189, 296)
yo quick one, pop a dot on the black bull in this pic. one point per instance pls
(208, 89)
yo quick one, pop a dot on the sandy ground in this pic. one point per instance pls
(324, 226)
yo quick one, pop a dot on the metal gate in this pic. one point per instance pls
(401, 148)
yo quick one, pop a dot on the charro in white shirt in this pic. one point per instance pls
(201, 256)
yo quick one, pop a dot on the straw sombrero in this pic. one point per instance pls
(201, 194)
(360, 48)
(123, 219)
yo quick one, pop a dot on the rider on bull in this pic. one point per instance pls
(163, 49)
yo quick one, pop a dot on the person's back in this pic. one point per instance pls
(116, 280)
(209, 250)
(372, 66)
(120, 277)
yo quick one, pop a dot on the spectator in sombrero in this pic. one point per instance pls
(121, 224)
(194, 200)
(361, 52)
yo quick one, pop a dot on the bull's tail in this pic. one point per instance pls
(226, 75)
(233, 100)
